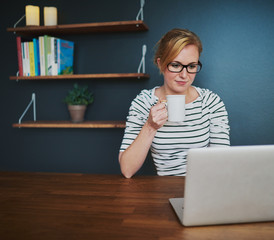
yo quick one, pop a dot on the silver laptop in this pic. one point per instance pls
(227, 185)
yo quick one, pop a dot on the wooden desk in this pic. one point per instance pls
(81, 206)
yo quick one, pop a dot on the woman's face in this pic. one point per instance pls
(179, 83)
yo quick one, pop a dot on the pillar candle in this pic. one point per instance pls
(50, 16)
(32, 15)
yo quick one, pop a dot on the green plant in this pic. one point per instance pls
(79, 96)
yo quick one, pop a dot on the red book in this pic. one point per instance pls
(19, 55)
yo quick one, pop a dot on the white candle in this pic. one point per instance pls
(50, 16)
(32, 15)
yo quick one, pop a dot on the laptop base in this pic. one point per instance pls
(178, 206)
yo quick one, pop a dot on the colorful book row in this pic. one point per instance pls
(44, 56)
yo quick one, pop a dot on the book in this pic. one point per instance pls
(19, 55)
(23, 59)
(27, 58)
(31, 58)
(47, 51)
(65, 56)
(26, 62)
(36, 56)
(54, 60)
(51, 56)
(41, 55)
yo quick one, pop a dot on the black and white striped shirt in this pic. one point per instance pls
(205, 124)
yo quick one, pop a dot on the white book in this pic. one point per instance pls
(24, 59)
(27, 59)
(53, 59)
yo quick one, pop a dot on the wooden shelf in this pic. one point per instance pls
(85, 76)
(69, 124)
(81, 28)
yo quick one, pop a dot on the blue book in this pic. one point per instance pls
(36, 56)
(65, 55)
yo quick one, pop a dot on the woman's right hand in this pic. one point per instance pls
(157, 116)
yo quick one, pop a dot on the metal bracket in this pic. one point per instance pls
(142, 63)
(15, 25)
(17, 74)
(141, 12)
(33, 101)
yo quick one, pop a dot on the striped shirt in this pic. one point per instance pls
(205, 124)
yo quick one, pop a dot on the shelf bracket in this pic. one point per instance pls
(33, 101)
(17, 74)
(141, 12)
(142, 63)
(15, 25)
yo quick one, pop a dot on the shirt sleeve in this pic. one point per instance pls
(137, 116)
(219, 124)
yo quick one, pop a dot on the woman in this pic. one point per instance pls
(206, 120)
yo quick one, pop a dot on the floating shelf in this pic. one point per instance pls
(85, 76)
(82, 28)
(69, 124)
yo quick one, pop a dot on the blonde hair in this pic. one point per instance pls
(170, 45)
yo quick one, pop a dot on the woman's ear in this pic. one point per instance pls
(159, 64)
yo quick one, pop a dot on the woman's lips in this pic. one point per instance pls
(181, 83)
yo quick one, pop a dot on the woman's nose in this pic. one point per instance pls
(183, 73)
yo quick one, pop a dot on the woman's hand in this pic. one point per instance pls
(157, 115)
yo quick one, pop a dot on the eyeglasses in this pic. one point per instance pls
(177, 67)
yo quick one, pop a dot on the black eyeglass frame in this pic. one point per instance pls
(186, 67)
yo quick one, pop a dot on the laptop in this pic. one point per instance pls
(227, 185)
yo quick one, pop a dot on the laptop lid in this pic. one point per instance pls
(228, 185)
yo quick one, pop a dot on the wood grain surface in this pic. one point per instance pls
(86, 206)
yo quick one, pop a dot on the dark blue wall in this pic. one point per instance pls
(238, 55)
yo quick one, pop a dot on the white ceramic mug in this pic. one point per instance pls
(176, 108)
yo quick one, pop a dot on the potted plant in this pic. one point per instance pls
(77, 100)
